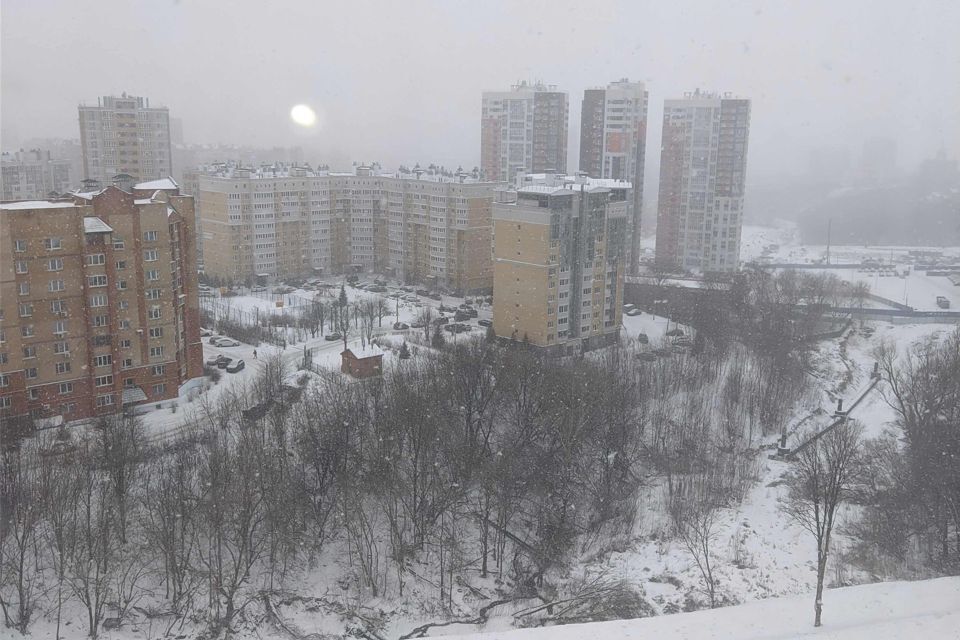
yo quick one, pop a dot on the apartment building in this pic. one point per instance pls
(559, 261)
(523, 130)
(98, 302)
(613, 140)
(702, 182)
(282, 221)
(125, 135)
(33, 174)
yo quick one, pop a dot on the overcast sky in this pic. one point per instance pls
(401, 81)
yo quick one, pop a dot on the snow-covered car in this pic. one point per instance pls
(205, 333)
(400, 326)
(330, 337)
(226, 342)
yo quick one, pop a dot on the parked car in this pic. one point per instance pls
(629, 307)
(418, 324)
(330, 337)
(236, 366)
(943, 302)
(400, 326)
(213, 339)
(435, 296)
(445, 309)
(485, 323)
(406, 289)
(457, 327)
(461, 315)
(224, 362)
(205, 332)
(642, 338)
(441, 320)
(471, 312)
(215, 361)
(226, 342)
(423, 292)
(634, 312)
(673, 333)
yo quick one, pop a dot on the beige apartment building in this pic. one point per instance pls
(98, 302)
(279, 222)
(559, 260)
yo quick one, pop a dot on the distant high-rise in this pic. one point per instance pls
(34, 174)
(125, 135)
(703, 162)
(613, 137)
(524, 129)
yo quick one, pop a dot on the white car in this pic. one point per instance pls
(204, 333)
(226, 342)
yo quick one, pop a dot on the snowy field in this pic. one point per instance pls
(886, 611)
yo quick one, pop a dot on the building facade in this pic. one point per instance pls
(288, 221)
(34, 174)
(702, 178)
(125, 135)
(523, 130)
(98, 303)
(559, 256)
(613, 140)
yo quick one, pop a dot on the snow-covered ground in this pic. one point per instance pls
(928, 609)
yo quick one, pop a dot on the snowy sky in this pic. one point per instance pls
(401, 81)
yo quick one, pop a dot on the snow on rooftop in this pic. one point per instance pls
(143, 201)
(34, 204)
(163, 183)
(366, 352)
(96, 225)
(86, 195)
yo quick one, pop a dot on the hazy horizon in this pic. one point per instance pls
(820, 75)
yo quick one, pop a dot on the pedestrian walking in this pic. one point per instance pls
(254, 354)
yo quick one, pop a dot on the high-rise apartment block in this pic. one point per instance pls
(34, 174)
(702, 175)
(125, 135)
(523, 130)
(559, 255)
(613, 139)
(288, 221)
(98, 302)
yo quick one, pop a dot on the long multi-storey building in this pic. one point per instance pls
(613, 140)
(559, 256)
(33, 174)
(702, 176)
(523, 130)
(98, 302)
(287, 221)
(125, 135)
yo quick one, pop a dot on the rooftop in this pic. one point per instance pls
(163, 183)
(96, 225)
(34, 204)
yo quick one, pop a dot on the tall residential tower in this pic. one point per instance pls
(703, 162)
(613, 137)
(125, 135)
(523, 130)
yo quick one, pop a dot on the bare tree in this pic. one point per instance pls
(20, 576)
(694, 514)
(825, 475)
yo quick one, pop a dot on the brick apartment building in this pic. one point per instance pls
(98, 302)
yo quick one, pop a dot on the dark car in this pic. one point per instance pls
(457, 328)
(441, 320)
(236, 366)
(445, 309)
(400, 326)
(330, 337)
(461, 315)
(215, 361)
(435, 296)
(470, 312)
(223, 362)
(642, 338)
(485, 323)
(423, 292)
(673, 333)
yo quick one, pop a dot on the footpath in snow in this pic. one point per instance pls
(928, 609)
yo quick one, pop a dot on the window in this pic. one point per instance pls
(124, 324)
(159, 389)
(127, 363)
(103, 381)
(30, 373)
(103, 361)
(117, 243)
(156, 332)
(157, 370)
(3, 357)
(156, 352)
(121, 285)
(125, 344)
(153, 275)
(150, 255)
(51, 244)
(26, 310)
(21, 266)
(23, 288)
(63, 367)
(66, 387)
(29, 352)
(68, 408)
(129, 382)
(101, 341)
(19, 246)
(34, 394)
(59, 327)
(97, 281)
(154, 313)
(26, 330)
(95, 259)
(6, 402)
(121, 265)
(61, 347)
(4, 380)
(55, 264)
(123, 305)
(55, 285)
(149, 236)
(105, 400)
(98, 300)
(99, 321)
(153, 294)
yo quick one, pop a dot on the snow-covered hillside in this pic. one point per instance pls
(928, 609)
